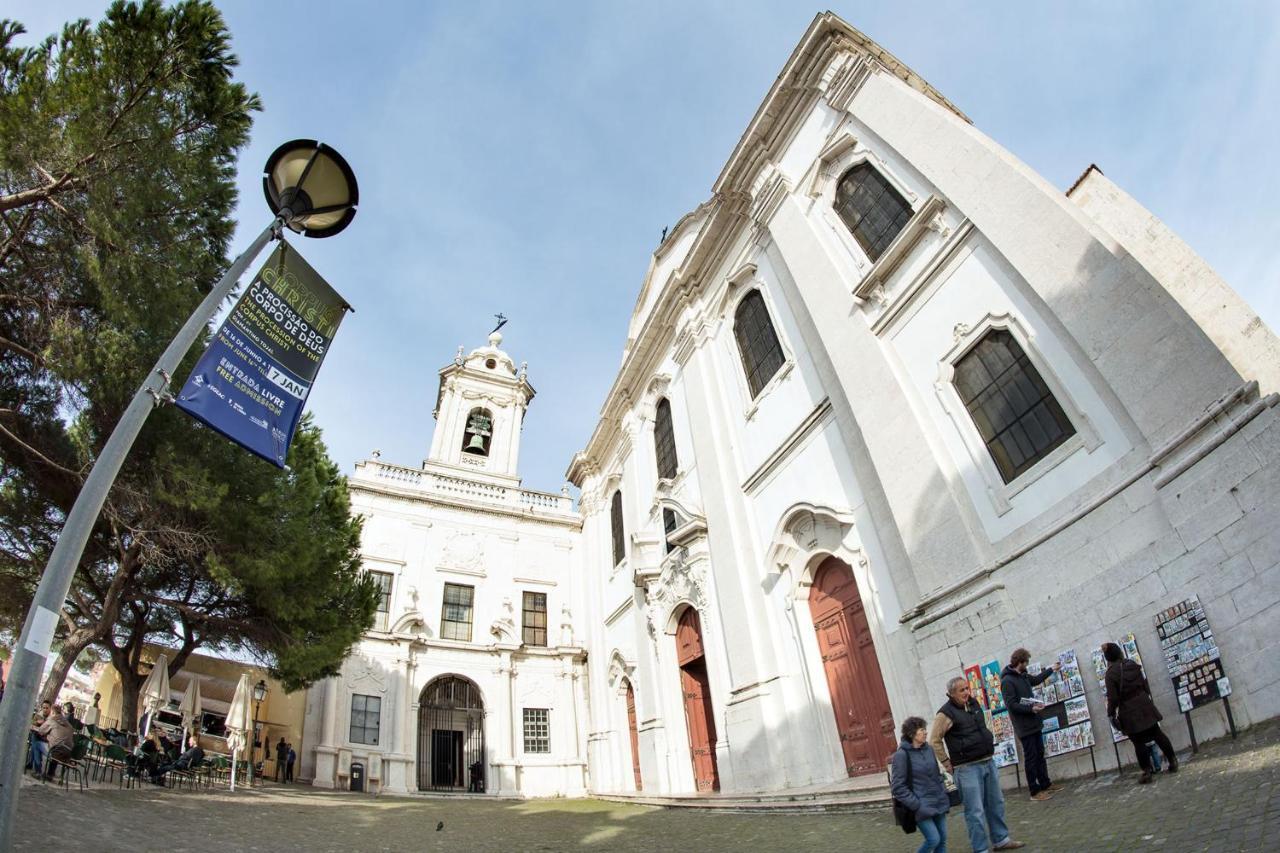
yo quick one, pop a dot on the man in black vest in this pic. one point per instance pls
(1015, 686)
(964, 745)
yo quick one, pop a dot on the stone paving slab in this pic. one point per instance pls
(1225, 799)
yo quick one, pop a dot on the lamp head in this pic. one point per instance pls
(260, 690)
(314, 184)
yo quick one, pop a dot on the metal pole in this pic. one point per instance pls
(37, 632)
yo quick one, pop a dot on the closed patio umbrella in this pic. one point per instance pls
(115, 706)
(192, 708)
(239, 722)
(155, 690)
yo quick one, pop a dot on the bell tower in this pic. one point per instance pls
(479, 413)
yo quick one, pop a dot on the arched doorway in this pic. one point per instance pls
(451, 736)
(697, 701)
(635, 736)
(863, 719)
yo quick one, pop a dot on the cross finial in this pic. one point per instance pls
(502, 321)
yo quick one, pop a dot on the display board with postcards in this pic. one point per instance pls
(984, 684)
(1065, 718)
(1129, 645)
(1191, 654)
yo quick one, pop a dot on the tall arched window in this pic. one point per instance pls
(664, 441)
(479, 432)
(757, 341)
(1012, 407)
(872, 209)
(615, 520)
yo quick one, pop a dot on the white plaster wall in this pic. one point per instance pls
(980, 287)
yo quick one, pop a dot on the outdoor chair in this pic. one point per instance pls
(114, 760)
(190, 776)
(75, 764)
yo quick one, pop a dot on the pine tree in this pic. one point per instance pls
(118, 145)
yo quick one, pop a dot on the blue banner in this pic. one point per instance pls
(253, 380)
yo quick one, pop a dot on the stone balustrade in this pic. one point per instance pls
(459, 488)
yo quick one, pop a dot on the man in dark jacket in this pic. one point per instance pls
(964, 745)
(189, 760)
(282, 753)
(1015, 686)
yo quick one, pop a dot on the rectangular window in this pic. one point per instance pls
(668, 527)
(366, 715)
(535, 618)
(455, 615)
(537, 730)
(383, 613)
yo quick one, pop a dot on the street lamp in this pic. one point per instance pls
(259, 693)
(311, 190)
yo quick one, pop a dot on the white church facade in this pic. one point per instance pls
(890, 405)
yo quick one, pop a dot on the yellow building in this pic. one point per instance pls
(279, 715)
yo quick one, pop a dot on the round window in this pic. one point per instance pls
(491, 363)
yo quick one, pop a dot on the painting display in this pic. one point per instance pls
(974, 674)
(984, 681)
(991, 683)
(1191, 655)
(1065, 718)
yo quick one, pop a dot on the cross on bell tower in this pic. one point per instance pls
(479, 413)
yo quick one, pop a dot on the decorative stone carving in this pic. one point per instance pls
(878, 296)
(681, 579)
(807, 531)
(566, 626)
(959, 330)
(939, 225)
(463, 550)
(504, 627)
(364, 676)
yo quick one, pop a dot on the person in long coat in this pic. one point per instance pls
(1130, 707)
(927, 795)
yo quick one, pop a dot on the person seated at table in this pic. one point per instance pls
(61, 737)
(168, 749)
(187, 761)
(69, 713)
(147, 756)
(38, 743)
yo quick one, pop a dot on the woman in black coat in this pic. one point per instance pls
(1130, 707)
(926, 796)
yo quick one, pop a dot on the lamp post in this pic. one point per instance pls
(259, 693)
(311, 190)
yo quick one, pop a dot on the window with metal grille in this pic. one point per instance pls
(366, 715)
(383, 580)
(757, 341)
(871, 208)
(664, 441)
(615, 521)
(535, 619)
(1015, 412)
(537, 730)
(668, 525)
(455, 615)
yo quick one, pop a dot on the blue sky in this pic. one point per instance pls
(523, 157)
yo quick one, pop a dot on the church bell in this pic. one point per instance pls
(475, 445)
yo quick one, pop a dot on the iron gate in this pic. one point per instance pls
(451, 753)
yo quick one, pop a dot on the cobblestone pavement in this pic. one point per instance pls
(1227, 798)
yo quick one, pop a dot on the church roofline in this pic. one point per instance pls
(726, 212)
